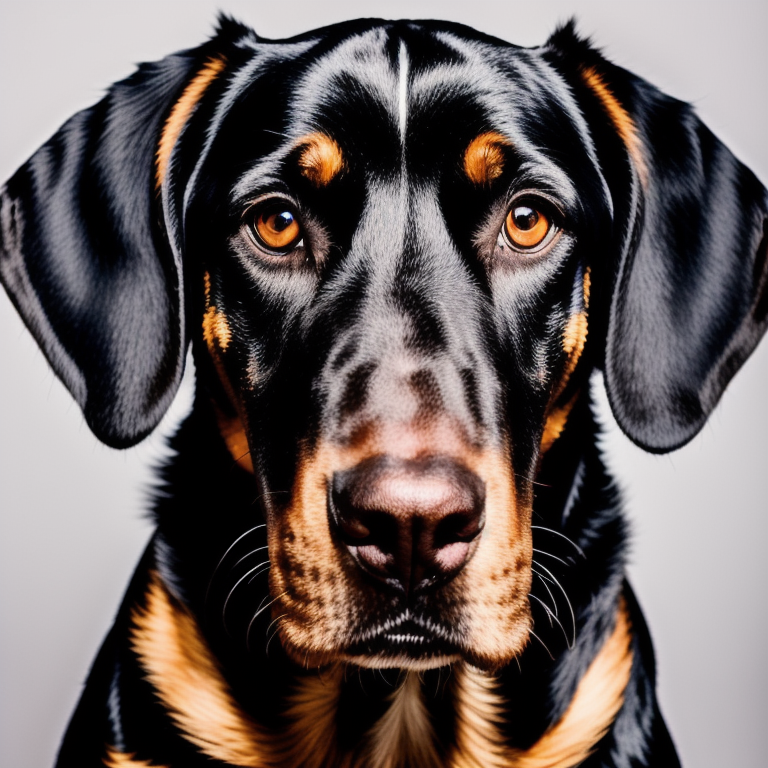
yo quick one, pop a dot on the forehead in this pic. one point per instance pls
(426, 88)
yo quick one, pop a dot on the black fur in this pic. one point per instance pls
(109, 276)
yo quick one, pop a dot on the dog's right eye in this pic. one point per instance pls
(275, 227)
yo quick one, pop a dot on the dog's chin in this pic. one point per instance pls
(402, 661)
(412, 658)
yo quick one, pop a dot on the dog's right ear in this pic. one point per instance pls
(87, 255)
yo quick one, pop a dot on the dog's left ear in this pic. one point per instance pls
(688, 298)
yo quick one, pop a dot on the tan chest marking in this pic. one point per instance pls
(181, 112)
(115, 759)
(190, 685)
(404, 737)
(598, 699)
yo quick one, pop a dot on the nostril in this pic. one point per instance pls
(458, 527)
(371, 534)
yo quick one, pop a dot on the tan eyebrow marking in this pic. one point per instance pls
(181, 112)
(622, 122)
(484, 157)
(321, 159)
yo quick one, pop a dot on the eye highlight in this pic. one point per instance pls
(274, 226)
(528, 228)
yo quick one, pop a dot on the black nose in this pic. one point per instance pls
(409, 523)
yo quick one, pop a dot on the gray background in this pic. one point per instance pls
(71, 526)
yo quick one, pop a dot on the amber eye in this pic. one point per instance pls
(276, 227)
(526, 228)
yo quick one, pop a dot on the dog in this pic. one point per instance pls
(387, 537)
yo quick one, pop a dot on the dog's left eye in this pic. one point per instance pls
(275, 227)
(529, 227)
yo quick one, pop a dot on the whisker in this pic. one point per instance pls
(544, 582)
(541, 603)
(245, 557)
(232, 591)
(277, 629)
(263, 570)
(224, 556)
(260, 610)
(549, 653)
(565, 595)
(554, 557)
(562, 536)
(551, 617)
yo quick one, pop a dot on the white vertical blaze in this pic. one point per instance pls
(402, 65)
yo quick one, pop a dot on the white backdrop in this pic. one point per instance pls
(71, 524)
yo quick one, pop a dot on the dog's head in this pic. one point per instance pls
(398, 250)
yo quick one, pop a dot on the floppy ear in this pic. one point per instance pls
(84, 257)
(688, 298)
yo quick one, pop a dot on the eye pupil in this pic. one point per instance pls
(525, 218)
(281, 221)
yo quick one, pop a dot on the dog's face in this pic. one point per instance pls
(387, 244)
(396, 276)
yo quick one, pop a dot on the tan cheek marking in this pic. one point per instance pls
(556, 422)
(321, 159)
(115, 759)
(484, 157)
(621, 120)
(181, 112)
(233, 432)
(216, 330)
(190, 686)
(574, 340)
(217, 336)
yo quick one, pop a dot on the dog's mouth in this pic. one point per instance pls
(408, 641)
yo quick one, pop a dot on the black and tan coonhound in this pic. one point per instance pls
(398, 250)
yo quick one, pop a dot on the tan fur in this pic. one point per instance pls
(115, 759)
(188, 682)
(233, 432)
(555, 424)
(574, 340)
(593, 709)
(190, 686)
(216, 330)
(488, 598)
(479, 712)
(621, 120)
(404, 737)
(217, 336)
(181, 112)
(484, 157)
(310, 740)
(321, 159)
(598, 699)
